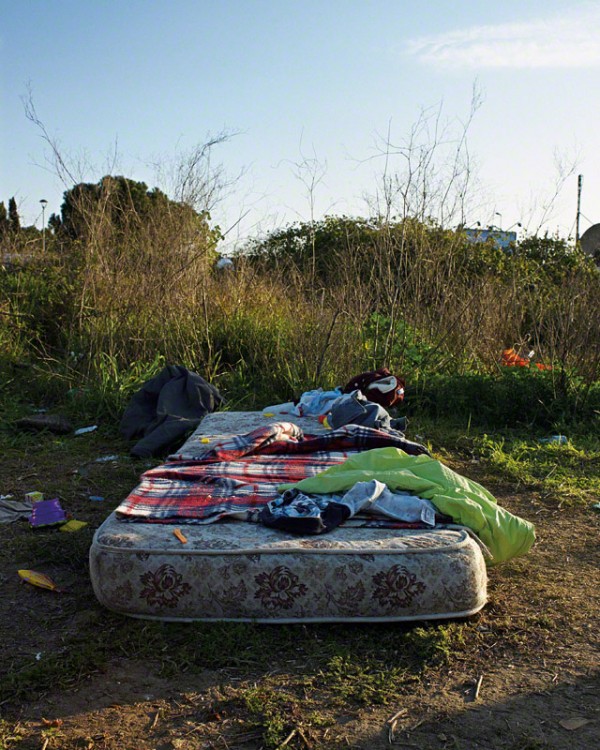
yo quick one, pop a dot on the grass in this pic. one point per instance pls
(569, 472)
(10, 734)
(566, 473)
(359, 664)
(273, 712)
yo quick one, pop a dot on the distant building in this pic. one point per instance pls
(500, 238)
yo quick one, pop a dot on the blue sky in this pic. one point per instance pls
(320, 83)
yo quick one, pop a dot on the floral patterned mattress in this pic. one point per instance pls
(246, 572)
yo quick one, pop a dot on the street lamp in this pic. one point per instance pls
(44, 203)
(500, 215)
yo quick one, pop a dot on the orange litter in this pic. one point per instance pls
(180, 536)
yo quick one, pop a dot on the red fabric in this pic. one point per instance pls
(238, 476)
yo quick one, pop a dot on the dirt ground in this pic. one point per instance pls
(526, 677)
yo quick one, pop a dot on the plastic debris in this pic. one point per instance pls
(85, 430)
(73, 525)
(41, 580)
(224, 264)
(558, 439)
(510, 358)
(47, 513)
(96, 498)
(105, 459)
(325, 420)
(178, 533)
(34, 497)
(278, 409)
(575, 723)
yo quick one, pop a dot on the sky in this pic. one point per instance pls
(316, 101)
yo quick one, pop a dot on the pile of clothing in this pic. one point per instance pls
(363, 400)
(299, 513)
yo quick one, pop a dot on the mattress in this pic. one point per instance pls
(247, 572)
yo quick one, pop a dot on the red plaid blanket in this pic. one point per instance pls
(236, 477)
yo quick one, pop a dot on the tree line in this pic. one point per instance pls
(9, 220)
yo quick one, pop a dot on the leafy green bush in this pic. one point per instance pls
(307, 306)
(512, 397)
(37, 308)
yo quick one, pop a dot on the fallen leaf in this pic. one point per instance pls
(52, 722)
(38, 579)
(575, 723)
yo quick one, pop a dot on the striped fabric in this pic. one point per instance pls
(237, 477)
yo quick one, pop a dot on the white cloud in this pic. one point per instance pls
(557, 41)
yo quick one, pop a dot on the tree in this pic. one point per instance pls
(13, 215)
(119, 222)
(4, 221)
(55, 223)
(124, 207)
